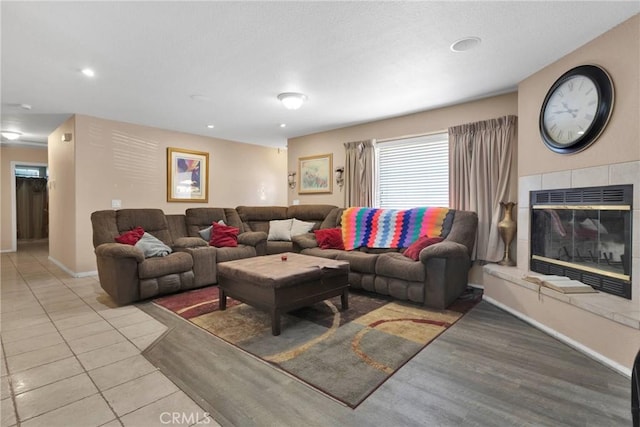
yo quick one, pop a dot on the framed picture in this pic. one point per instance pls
(187, 175)
(314, 174)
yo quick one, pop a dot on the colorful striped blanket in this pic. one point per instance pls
(391, 228)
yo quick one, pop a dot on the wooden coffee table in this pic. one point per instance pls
(278, 286)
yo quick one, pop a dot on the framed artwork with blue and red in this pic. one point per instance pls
(187, 175)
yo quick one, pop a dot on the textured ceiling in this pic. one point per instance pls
(356, 61)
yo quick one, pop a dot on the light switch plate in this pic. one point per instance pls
(116, 204)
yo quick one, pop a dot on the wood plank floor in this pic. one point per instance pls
(489, 369)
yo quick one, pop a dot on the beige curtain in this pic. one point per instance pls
(480, 176)
(359, 173)
(31, 208)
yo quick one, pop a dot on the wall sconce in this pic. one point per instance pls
(291, 179)
(66, 137)
(340, 176)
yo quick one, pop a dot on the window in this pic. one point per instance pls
(31, 171)
(413, 172)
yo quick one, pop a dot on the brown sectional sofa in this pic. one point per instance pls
(435, 281)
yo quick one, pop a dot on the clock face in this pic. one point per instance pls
(576, 109)
(571, 109)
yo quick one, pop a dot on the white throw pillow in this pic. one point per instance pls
(280, 229)
(300, 227)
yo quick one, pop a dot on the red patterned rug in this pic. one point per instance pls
(346, 355)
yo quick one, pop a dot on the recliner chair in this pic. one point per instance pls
(124, 273)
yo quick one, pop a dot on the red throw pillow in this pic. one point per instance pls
(413, 251)
(130, 237)
(329, 238)
(224, 236)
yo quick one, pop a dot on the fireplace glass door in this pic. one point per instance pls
(584, 234)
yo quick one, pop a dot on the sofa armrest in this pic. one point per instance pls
(205, 270)
(119, 250)
(304, 241)
(444, 249)
(252, 238)
(447, 266)
(189, 242)
(118, 271)
(257, 239)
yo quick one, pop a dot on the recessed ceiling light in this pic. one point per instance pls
(11, 135)
(88, 72)
(201, 98)
(283, 125)
(210, 126)
(465, 44)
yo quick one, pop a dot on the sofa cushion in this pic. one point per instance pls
(323, 253)
(333, 218)
(153, 221)
(280, 229)
(223, 236)
(198, 218)
(359, 261)
(398, 266)
(152, 246)
(130, 237)
(314, 212)
(329, 238)
(278, 247)
(413, 251)
(239, 252)
(256, 218)
(176, 262)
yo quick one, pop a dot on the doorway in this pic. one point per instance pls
(31, 202)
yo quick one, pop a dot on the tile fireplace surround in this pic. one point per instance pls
(604, 315)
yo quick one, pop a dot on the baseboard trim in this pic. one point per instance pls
(565, 339)
(71, 272)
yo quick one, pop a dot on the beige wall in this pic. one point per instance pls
(9, 154)
(618, 52)
(613, 159)
(414, 124)
(127, 162)
(62, 197)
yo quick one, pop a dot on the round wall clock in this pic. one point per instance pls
(576, 109)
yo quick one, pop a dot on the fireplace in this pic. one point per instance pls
(584, 234)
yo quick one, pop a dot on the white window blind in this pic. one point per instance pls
(413, 172)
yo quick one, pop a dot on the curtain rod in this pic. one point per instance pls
(395, 138)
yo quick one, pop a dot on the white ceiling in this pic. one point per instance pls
(356, 61)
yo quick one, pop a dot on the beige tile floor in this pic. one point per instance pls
(71, 357)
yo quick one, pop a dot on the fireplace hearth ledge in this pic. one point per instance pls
(617, 309)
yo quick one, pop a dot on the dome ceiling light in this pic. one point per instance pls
(292, 100)
(11, 135)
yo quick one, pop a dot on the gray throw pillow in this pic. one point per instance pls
(152, 247)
